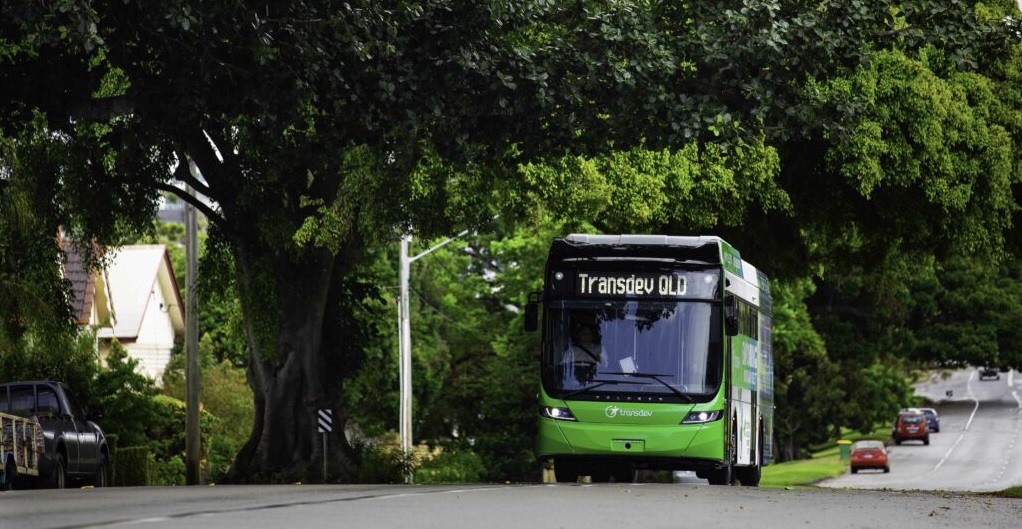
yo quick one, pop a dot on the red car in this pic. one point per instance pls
(911, 424)
(869, 454)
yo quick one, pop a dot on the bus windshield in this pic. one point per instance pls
(671, 348)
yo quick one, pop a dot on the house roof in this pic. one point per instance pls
(83, 282)
(132, 277)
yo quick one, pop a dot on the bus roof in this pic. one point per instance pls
(643, 239)
(703, 249)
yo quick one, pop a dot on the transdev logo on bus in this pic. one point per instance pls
(614, 411)
(664, 285)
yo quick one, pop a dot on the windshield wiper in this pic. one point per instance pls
(596, 384)
(656, 376)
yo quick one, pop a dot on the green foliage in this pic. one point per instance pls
(226, 401)
(168, 471)
(696, 186)
(220, 459)
(881, 389)
(803, 472)
(68, 358)
(380, 464)
(375, 385)
(807, 382)
(1011, 492)
(474, 369)
(451, 466)
(126, 397)
(846, 139)
(167, 438)
(963, 312)
(486, 400)
(139, 416)
(132, 466)
(31, 290)
(933, 145)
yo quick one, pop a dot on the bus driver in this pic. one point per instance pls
(584, 348)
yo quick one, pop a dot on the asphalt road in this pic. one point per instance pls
(976, 450)
(603, 506)
(978, 446)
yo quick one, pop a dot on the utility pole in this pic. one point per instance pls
(193, 451)
(404, 339)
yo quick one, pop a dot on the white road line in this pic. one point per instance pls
(968, 387)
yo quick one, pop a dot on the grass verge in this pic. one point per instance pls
(803, 472)
(1013, 492)
(827, 463)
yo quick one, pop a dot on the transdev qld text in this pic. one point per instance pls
(632, 285)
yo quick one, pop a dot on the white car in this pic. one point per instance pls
(989, 372)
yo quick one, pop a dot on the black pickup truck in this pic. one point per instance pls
(74, 447)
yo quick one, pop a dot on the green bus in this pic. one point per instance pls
(655, 355)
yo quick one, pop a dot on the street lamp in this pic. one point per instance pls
(404, 336)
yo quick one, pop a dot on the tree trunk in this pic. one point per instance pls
(785, 428)
(284, 324)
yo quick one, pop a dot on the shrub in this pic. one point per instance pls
(170, 471)
(380, 464)
(451, 466)
(131, 466)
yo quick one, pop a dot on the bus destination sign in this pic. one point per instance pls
(641, 285)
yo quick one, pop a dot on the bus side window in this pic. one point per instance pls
(730, 315)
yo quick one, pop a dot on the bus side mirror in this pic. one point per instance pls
(532, 312)
(730, 315)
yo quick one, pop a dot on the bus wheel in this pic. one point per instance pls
(750, 476)
(724, 475)
(720, 476)
(565, 471)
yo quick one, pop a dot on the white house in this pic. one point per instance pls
(134, 299)
(146, 310)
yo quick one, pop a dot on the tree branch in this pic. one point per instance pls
(104, 109)
(200, 150)
(183, 174)
(192, 200)
(220, 144)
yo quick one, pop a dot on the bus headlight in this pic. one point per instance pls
(700, 417)
(556, 413)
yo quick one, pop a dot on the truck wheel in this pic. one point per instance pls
(10, 473)
(58, 478)
(102, 476)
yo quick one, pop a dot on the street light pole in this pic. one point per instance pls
(193, 447)
(404, 339)
(404, 336)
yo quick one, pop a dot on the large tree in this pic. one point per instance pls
(799, 130)
(317, 128)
